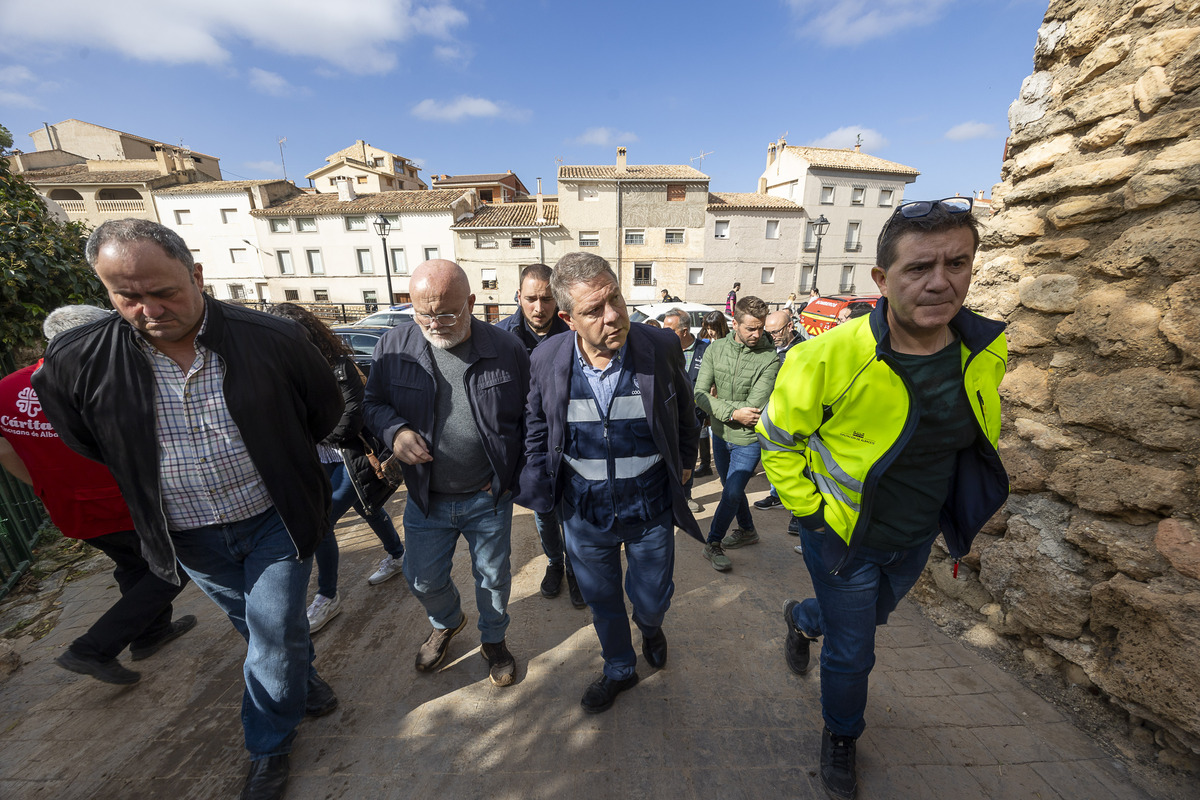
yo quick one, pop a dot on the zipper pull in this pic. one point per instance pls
(956, 568)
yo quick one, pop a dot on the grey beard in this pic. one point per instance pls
(443, 342)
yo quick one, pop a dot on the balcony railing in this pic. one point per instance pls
(111, 206)
(72, 206)
(810, 247)
(853, 247)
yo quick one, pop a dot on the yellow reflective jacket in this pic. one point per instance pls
(841, 412)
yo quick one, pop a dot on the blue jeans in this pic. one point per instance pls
(250, 570)
(550, 534)
(344, 497)
(846, 611)
(735, 464)
(650, 555)
(487, 527)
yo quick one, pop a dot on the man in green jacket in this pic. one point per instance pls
(734, 383)
(882, 433)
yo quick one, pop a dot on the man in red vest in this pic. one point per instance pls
(84, 503)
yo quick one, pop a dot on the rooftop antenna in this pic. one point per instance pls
(282, 139)
(700, 158)
(558, 159)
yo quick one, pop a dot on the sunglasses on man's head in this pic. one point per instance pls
(922, 208)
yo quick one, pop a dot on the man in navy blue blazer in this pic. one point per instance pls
(610, 426)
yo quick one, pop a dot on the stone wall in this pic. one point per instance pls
(1094, 260)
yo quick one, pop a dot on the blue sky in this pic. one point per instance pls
(474, 86)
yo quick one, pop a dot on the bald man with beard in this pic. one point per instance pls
(448, 393)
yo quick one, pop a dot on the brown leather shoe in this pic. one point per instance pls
(433, 651)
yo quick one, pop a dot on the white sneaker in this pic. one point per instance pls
(322, 610)
(695, 506)
(799, 549)
(388, 568)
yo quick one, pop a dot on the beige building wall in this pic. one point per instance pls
(766, 267)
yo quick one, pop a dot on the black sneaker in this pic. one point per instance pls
(176, 629)
(654, 649)
(603, 691)
(795, 648)
(573, 590)
(837, 765)
(552, 582)
(108, 670)
(502, 667)
(320, 699)
(703, 472)
(768, 502)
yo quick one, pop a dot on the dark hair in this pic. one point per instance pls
(737, 285)
(576, 268)
(860, 309)
(539, 272)
(138, 230)
(715, 321)
(938, 219)
(328, 342)
(750, 306)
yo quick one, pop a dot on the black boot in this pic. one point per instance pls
(705, 460)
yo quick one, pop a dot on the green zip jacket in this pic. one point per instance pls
(743, 376)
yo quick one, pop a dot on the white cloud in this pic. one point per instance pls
(266, 167)
(272, 83)
(462, 107)
(604, 137)
(359, 37)
(849, 22)
(18, 85)
(847, 136)
(17, 100)
(971, 130)
(456, 53)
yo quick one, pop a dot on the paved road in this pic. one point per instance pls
(725, 719)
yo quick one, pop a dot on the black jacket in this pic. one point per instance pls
(97, 388)
(657, 360)
(352, 439)
(400, 392)
(515, 324)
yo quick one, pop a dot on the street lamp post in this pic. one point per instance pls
(382, 227)
(820, 228)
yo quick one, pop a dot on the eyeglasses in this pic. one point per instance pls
(922, 208)
(443, 320)
(778, 332)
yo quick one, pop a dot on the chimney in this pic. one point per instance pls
(621, 161)
(164, 165)
(540, 216)
(762, 185)
(770, 154)
(346, 191)
(858, 148)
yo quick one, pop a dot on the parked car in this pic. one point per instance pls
(821, 314)
(361, 340)
(695, 311)
(388, 319)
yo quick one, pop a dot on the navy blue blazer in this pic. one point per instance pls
(657, 361)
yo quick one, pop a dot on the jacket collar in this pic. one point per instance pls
(975, 330)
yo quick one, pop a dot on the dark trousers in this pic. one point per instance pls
(650, 556)
(143, 614)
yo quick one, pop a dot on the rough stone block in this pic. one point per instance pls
(1020, 222)
(1026, 385)
(1058, 247)
(1170, 125)
(1172, 175)
(1053, 293)
(1103, 172)
(1032, 101)
(1105, 133)
(1043, 437)
(1108, 103)
(1167, 243)
(1041, 155)
(1116, 324)
(1179, 542)
(1181, 323)
(1149, 637)
(1160, 48)
(1082, 210)
(1137, 493)
(1103, 58)
(1127, 548)
(1026, 473)
(1161, 410)
(1152, 90)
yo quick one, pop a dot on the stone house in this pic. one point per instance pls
(97, 143)
(370, 168)
(751, 238)
(500, 187)
(855, 191)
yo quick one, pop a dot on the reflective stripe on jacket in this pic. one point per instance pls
(842, 410)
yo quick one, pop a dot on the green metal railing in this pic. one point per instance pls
(21, 517)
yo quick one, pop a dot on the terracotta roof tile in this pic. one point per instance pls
(212, 187)
(678, 172)
(829, 158)
(494, 177)
(732, 201)
(328, 203)
(511, 215)
(78, 173)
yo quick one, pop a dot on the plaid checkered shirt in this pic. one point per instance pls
(205, 471)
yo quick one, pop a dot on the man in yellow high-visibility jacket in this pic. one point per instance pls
(879, 434)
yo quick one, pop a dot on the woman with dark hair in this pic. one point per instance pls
(355, 482)
(713, 326)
